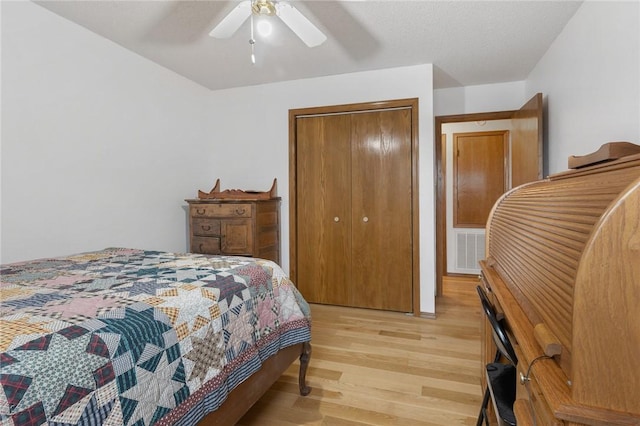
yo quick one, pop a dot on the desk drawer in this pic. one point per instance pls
(538, 409)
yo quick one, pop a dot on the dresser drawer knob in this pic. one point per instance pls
(206, 227)
(201, 211)
(336, 219)
(240, 212)
(365, 219)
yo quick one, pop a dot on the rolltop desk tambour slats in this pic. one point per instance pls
(563, 268)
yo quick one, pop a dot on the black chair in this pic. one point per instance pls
(501, 377)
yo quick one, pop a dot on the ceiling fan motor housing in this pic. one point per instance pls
(263, 7)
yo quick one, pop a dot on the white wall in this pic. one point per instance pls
(255, 134)
(99, 146)
(481, 98)
(590, 78)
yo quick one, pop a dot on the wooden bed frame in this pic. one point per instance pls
(242, 398)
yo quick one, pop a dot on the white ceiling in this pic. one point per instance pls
(468, 42)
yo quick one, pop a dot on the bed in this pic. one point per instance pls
(137, 337)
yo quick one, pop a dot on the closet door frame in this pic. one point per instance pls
(411, 103)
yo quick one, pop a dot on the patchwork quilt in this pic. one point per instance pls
(133, 337)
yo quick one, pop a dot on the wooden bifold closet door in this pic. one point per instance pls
(354, 209)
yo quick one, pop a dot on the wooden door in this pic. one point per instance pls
(353, 209)
(381, 210)
(479, 175)
(526, 142)
(323, 222)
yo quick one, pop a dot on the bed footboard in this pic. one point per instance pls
(242, 398)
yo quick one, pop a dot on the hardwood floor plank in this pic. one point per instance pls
(373, 367)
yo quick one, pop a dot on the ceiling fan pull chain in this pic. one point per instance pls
(252, 42)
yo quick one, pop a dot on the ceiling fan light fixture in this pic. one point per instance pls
(264, 28)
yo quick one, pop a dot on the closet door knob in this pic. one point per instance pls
(365, 219)
(336, 219)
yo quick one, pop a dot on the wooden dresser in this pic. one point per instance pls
(235, 227)
(563, 268)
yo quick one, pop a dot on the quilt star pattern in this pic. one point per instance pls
(132, 337)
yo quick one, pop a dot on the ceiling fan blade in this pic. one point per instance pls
(300, 25)
(232, 21)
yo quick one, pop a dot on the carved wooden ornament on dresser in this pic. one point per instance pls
(563, 267)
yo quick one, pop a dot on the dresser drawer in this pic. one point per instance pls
(205, 245)
(205, 227)
(220, 210)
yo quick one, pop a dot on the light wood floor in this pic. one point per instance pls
(382, 368)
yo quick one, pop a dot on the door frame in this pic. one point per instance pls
(411, 103)
(441, 224)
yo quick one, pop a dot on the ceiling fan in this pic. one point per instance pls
(291, 16)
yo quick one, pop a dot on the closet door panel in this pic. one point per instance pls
(324, 208)
(382, 272)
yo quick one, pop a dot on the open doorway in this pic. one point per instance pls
(524, 163)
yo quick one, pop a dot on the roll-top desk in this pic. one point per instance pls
(563, 268)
